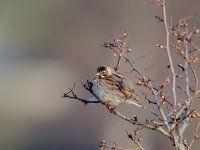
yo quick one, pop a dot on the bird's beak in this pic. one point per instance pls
(97, 74)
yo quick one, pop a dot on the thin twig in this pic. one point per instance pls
(132, 65)
(186, 70)
(135, 122)
(194, 138)
(72, 95)
(187, 91)
(169, 54)
(135, 140)
(155, 93)
(121, 53)
(193, 71)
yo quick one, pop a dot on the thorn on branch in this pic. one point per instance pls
(146, 98)
(159, 19)
(179, 76)
(135, 118)
(109, 45)
(129, 135)
(160, 46)
(136, 138)
(167, 82)
(192, 89)
(181, 66)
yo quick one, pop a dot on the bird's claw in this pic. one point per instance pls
(110, 107)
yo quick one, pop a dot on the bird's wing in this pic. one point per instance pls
(124, 82)
(124, 85)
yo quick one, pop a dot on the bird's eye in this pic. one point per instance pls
(105, 72)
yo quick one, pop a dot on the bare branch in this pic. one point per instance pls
(169, 54)
(135, 139)
(186, 70)
(72, 95)
(195, 136)
(122, 48)
(136, 122)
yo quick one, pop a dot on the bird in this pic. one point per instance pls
(113, 88)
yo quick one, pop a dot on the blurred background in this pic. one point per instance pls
(47, 45)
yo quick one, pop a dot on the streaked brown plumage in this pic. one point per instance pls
(114, 88)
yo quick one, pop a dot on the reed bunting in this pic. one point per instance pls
(113, 88)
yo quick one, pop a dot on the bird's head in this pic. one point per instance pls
(104, 71)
